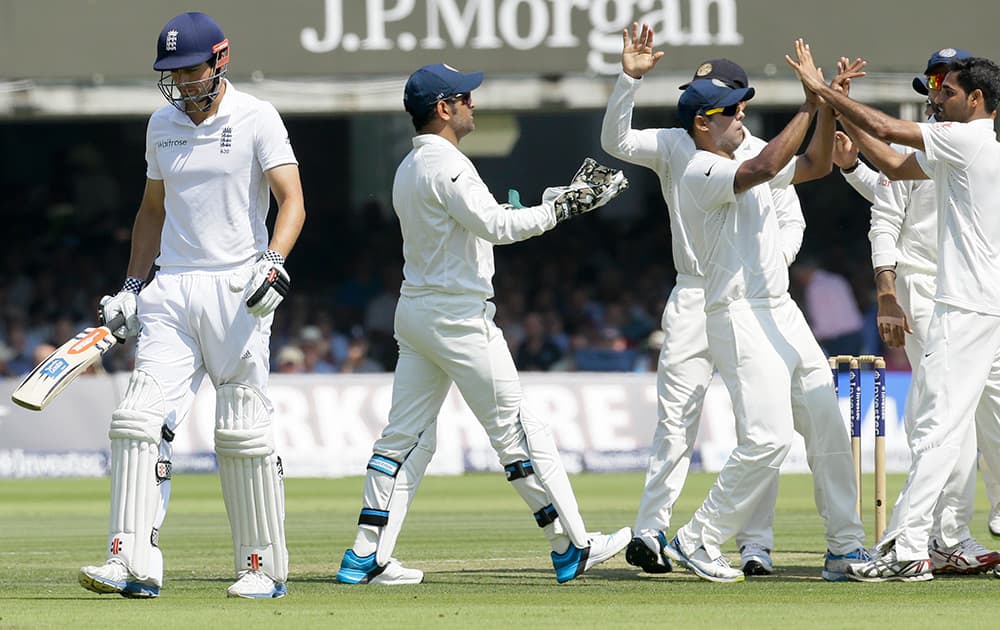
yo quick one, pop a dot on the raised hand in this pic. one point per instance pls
(805, 68)
(847, 70)
(638, 56)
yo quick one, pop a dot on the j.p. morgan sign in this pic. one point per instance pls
(330, 39)
(540, 26)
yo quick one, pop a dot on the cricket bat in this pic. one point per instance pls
(61, 368)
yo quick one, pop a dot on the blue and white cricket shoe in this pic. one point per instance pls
(358, 570)
(835, 565)
(256, 585)
(114, 578)
(574, 561)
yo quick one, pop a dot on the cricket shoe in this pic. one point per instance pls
(994, 523)
(356, 570)
(705, 567)
(113, 577)
(835, 565)
(755, 559)
(886, 568)
(964, 558)
(574, 561)
(256, 585)
(646, 552)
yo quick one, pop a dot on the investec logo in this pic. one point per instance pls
(521, 25)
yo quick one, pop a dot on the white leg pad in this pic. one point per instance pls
(551, 474)
(402, 488)
(252, 483)
(135, 495)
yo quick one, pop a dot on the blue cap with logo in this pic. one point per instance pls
(940, 57)
(187, 40)
(436, 82)
(705, 94)
(729, 72)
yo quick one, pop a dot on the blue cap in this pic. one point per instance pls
(430, 84)
(187, 40)
(705, 94)
(940, 57)
(728, 71)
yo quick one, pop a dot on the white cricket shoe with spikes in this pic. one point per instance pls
(256, 585)
(966, 557)
(114, 578)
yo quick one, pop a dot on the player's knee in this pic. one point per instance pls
(766, 452)
(396, 444)
(242, 422)
(140, 414)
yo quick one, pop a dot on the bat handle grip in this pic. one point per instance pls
(116, 322)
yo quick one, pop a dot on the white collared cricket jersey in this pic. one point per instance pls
(217, 196)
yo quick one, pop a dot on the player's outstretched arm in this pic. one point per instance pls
(878, 124)
(893, 164)
(638, 56)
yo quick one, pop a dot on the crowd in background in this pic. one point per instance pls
(588, 298)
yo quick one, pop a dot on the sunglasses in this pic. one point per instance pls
(934, 81)
(466, 99)
(729, 110)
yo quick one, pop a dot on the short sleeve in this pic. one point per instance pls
(785, 176)
(273, 146)
(709, 178)
(152, 165)
(948, 142)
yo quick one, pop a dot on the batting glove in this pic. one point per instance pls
(123, 303)
(593, 186)
(269, 283)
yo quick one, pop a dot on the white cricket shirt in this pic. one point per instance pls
(667, 152)
(963, 159)
(904, 224)
(450, 222)
(735, 236)
(217, 196)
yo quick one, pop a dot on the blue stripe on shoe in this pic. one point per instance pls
(354, 569)
(570, 563)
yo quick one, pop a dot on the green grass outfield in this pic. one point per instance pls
(486, 565)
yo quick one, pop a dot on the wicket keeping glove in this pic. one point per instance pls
(268, 282)
(123, 302)
(593, 186)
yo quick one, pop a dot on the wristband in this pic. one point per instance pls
(851, 169)
(133, 284)
(881, 271)
(272, 256)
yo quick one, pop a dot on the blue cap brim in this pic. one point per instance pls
(920, 85)
(737, 96)
(469, 82)
(176, 62)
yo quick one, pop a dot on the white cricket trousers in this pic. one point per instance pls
(960, 357)
(192, 325)
(771, 364)
(683, 374)
(444, 339)
(953, 512)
